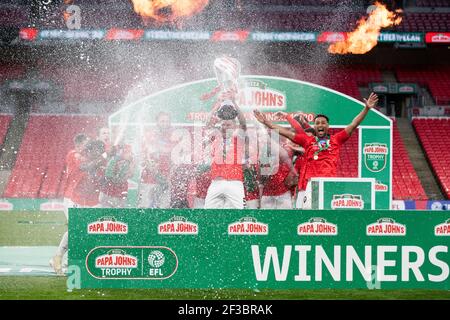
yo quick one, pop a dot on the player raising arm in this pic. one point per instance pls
(322, 149)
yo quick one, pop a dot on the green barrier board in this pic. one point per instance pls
(132, 248)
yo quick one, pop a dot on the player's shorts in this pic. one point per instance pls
(283, 201)
(304, 198)
(252, 204)
(150, 196)
(107, 201)
(225, 194)
(199, 203)
(68, 204)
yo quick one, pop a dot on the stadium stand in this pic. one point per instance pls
(5, 120)
(430, 22)
(406, 183)
(38, 171)
(344, 79)
(436, 79)
(324, 15)
(112, 86)
(434, 135)
(13, 16)
(432, 3)
(89, 85)
(281, 2)
(11, 72)
(348, 158)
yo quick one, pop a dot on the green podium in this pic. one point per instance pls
(343, 193)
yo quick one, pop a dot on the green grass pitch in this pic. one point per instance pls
(46, 228)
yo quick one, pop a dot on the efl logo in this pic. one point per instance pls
(347, 201)
(386, 227)
(317, 227)
(178, 225)
(116, 258)
(248, 226)
(256, 95)
(107, 225)
(442, 229)
(375, 156)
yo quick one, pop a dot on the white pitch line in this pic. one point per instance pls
(5, 270)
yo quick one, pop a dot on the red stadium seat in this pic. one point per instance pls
(39, 166)
(437, 152)
(5, 120)
(436, 79)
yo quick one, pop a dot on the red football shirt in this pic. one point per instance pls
(157, 148)
(73, 172)
(117, 189)
(86, 192)
(227, 157)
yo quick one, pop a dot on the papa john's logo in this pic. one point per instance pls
(442, 229)
(107, 225)
(347, 201)
(375, 156)
(381, 187)
(248, 226)
(256, 94)
(386, 227)
(178, 225)
(317, 227)
(116, 258)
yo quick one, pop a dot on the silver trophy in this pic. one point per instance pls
(227, 72)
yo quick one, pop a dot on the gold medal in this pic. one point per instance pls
(316, 157)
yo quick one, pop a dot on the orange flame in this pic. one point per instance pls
(365, 37)
(170, 11)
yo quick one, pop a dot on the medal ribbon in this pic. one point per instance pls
(321, 148)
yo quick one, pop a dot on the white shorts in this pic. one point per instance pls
(283, 201)
(252, 204)
(68, 204)
(225, 194)
(304, 198)
(150, 196)
(107, 201)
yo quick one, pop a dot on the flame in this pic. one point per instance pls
(365, 37)
(171, 11)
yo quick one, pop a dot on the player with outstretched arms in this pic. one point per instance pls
(321, 150)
